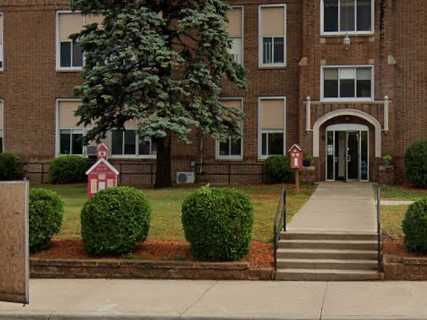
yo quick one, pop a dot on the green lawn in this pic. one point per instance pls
(166, 205)
(392, 216)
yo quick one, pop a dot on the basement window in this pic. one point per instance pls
(347, 16)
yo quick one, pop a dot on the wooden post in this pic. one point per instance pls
(297, 182)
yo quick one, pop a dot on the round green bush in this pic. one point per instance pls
(415, 227)
(46, 214)
(278, 169)
(10, 169)
(416, 164)
(218, 224)
(68, 169)
(114, 220)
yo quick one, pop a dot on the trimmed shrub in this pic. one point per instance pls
(416, 164)
(46, 214)
(68, 169)
(278, 169)
(415, 227)
(10, 169)
(218, 224)
(115, 220)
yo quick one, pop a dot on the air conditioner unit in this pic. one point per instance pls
(185, 177)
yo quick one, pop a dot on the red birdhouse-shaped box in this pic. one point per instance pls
(102, 175)
(296, 154)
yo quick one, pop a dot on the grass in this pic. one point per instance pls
(403, 193)
(391, 220)
(166, 208)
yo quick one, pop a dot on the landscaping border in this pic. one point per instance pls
(405, 268)
(142, 269)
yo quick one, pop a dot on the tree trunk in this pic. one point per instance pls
(164, 163)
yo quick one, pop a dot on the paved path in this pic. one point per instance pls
(170, 300)
(338, 206)
(396, 202)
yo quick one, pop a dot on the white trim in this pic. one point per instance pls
(344, 33)
(347, 112)
(339, 67)
(260, 131)
(2, 46)
(58, 45)
(262, 65)
(347, 127)
(217, 143)
(242, 8)
(102, 160)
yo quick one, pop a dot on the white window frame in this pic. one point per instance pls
(3, 125)
(261, 130)
(2, 55)
(58, 46)
(58, 129)
(242, 38)
(130, 156)
(261, 63)
(363, 99)
(343, 33)
(218, 156)
(108, 137)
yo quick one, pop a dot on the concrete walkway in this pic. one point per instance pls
(338, 206)
(170, 300)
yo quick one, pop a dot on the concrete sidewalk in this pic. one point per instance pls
(337, 207)
(157, 299)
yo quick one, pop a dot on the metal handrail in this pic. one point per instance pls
(379, 230)
(279, 223)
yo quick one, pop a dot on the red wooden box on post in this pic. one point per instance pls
(102, 175)
(296, 155)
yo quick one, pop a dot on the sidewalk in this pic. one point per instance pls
(157, 299)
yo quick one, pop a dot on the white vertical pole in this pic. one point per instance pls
(308, 114)
(386, 112)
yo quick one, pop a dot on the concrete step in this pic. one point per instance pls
(328, 264)
(326, 275)
(329, 244)
(323, 235)
(326, 254)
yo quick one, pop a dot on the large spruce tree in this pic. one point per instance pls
(162, 63)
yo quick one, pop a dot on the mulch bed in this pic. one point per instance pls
(260, 256)
(397, 248)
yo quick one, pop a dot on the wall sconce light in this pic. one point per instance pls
(347, 42)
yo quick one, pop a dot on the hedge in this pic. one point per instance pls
(68, 169)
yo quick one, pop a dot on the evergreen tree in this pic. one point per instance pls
(162, 63)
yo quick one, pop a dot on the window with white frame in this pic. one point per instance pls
(347, 16)
(232, 147)
(1, 42)
(69, 53)
(1, 127)
(348, 83)
(271, 127)
(235, 29)
(272, 35)
(127, 142)
(69, 135)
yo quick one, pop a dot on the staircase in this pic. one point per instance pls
(327, 256)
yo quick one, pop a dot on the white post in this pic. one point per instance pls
(308, 114)
(386, 112)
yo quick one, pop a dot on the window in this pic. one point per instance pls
(69, 134)
(69, 53)
(129, 143)
(1, 128)
(235, 29)
(271, 127)
(348, 83)
(347, 16)
(1, 43)
(272, 35)
(231, 148)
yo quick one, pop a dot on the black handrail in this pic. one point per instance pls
(379, 231)
(279, 223)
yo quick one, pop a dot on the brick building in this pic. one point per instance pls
(347, 79)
